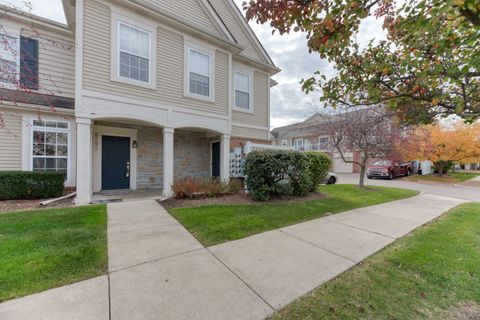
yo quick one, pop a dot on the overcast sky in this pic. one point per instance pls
(289, 52)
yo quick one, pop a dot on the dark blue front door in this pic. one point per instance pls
(216, 159)
(115, 163)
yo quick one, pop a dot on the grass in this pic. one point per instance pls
(418, 277)
(49, 248)
(452, 177)
(214, 224)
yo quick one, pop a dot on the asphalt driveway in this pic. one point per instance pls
(459, 191)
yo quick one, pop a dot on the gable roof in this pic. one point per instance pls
(307, 127)
(243, 34)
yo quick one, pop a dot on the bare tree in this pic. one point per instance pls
(370, 131)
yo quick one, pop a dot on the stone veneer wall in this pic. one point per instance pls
(191, 155)
(149, 158)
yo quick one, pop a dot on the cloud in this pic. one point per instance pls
(50, 9)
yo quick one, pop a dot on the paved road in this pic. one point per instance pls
(157, 270)
(456, 191)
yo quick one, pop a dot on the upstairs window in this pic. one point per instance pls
(242, 90)
(199, 73)
(9, 59)
(134, 53)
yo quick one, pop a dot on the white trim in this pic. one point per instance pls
(249, 74)
(79, 55)
(249, 126)
(284, 144)
(250, 34)
(98, 133)
(212, 14)
(27, 145)
(190, 44)
(15, 33)
(132, 21)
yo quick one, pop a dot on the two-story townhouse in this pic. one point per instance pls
(313, 134)
(162, 91)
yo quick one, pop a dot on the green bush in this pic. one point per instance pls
(277, 172)
(30, 185)
(318, 164)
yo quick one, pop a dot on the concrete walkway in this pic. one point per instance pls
(159, 271)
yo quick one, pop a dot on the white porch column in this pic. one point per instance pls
(225, 157)
(167, 161)
(84, 161)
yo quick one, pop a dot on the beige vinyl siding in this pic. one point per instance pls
(240, 132)
(259, 116)
(170, 64)
(56, 62)
(10, 140)
(229, 17)
(188, 10)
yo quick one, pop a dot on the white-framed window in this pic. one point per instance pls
(284, 143)
(9, 60)
(298, 144)
(134, 53)
(50, 141)
(323, 142)
(243, 90)
(199, 72)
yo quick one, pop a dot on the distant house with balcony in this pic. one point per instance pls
(312, 134)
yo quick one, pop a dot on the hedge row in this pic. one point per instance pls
(30, 185)
(277, 172)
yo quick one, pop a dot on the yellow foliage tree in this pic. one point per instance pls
(443, 145)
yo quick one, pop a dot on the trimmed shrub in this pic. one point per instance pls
(30, 185)
(318, 164)
(277, 172)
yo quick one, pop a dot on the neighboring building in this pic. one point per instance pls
(132, 95)
(312, 134)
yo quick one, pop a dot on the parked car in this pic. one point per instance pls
(389, 169)
(330, 178)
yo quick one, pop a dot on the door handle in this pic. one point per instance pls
(128, 170)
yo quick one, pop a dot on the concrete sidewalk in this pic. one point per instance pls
(159, 271)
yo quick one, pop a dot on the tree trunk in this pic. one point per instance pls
(440, 169)
(361, 183)
(363, 168)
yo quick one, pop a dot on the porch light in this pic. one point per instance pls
(134, 144)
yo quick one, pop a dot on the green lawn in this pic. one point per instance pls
(418, 277)
(215, 224)
(451, 177)
(49, 248)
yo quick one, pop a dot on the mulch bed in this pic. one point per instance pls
(25, 205)
(236, 199)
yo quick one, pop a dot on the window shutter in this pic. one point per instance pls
(29, 63)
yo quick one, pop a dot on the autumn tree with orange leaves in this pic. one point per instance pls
(442, 145)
